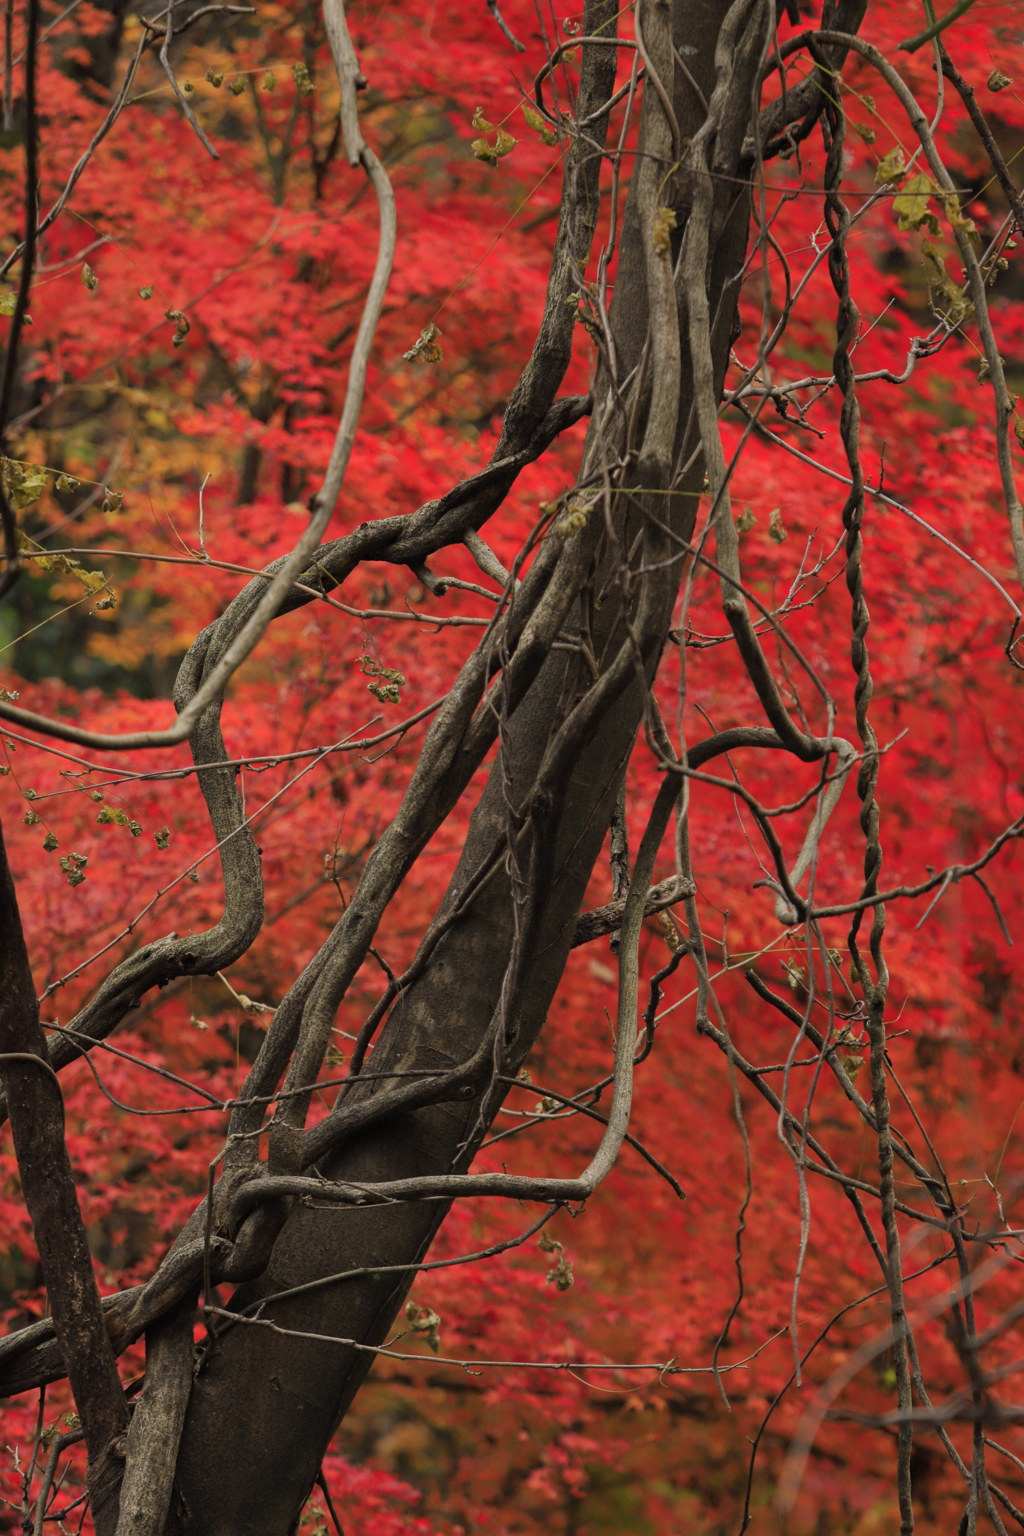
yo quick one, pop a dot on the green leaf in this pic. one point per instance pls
(146, 292)
(576, 515)
(25, 483)
(538, 124)
(490, 153)
(89, 277)
(386, 682)
(163, 837)
(890, 167)
(8, 304)
(956, 217)
(912, 204)
(300, 74)
(947, 300)
(482, 150)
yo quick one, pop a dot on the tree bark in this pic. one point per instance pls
(264, 1406)
(36, 1107)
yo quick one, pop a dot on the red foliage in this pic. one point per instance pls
(268, 251)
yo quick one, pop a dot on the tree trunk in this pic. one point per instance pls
(264, 1406)
(48, 1183)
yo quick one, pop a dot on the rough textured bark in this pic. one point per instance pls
(156, 1422)
(37, 1122)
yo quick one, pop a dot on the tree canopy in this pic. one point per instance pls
(510, 630)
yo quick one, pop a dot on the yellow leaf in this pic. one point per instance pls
(482, 151)
(25, 483)
(537, 123)
(912, 204)
(951, 204)
(947, 300)
(664, 223)
(890, 167)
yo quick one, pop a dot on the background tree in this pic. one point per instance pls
(763, 223)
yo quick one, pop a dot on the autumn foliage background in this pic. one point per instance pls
(268, 252)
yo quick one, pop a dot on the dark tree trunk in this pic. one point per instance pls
(264, 1406)
(36, 1107)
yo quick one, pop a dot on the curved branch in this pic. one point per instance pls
(807, 100)
(602, 920)
(972, 267)
(235, 644)
(405, 540)
(449, 1186)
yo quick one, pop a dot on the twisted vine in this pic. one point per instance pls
(837, 219)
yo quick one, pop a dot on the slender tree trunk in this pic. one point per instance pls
(36, 1107)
